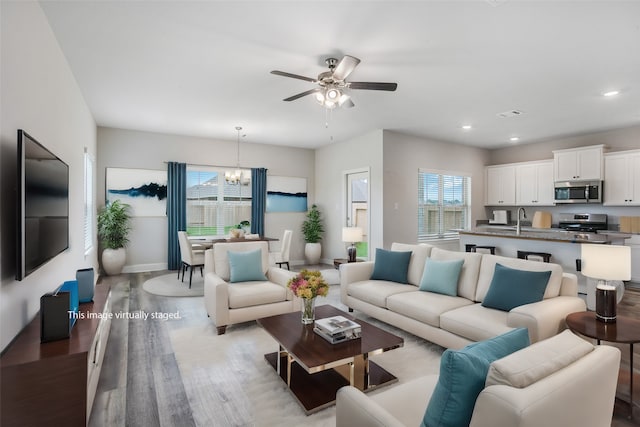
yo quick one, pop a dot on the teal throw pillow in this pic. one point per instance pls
(245, 266)
(441, 276)
(511, 288)
(391, 265)
(462, 377)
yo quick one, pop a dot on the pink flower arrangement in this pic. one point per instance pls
(308, 284)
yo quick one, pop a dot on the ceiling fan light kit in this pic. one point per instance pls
(332, 85)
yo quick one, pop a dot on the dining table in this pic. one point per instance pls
(200, 243)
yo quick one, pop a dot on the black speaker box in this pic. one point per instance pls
(54, 316)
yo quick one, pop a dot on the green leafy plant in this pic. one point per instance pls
(312, 227)
(243, 224)
(114, 225)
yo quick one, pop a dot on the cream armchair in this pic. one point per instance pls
(228, 303)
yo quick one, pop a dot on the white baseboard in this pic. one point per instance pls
(141, 268)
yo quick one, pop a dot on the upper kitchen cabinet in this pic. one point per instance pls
(578, 164)
(500, 186)
(622, 178)
(534, 184)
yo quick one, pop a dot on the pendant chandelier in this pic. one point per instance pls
(237, 176)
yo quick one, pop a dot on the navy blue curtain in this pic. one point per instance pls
(176, 210)
(258, 199)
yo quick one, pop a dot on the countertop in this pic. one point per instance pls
(549, 234)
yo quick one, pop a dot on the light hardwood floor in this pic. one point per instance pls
(140, 384)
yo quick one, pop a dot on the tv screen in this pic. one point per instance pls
(43, 205)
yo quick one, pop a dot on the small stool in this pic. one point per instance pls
(472, 248)
(525, 255)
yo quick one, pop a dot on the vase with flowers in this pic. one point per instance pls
(308, 284)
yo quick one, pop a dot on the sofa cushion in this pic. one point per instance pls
(462, 377)
(475, 322)
(247, 294)
(245, 266)
(424, 307)
(538, 361)
(511, 288)
(468, 280)
(419, 254)
(391, 265)
(376, 292)
(488, 265)
(221, 259)
(441, 276)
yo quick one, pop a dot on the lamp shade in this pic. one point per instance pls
(606, 262)
(351, 234)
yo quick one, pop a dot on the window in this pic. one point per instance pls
(213, 205)
(88, 202)
(444, 203)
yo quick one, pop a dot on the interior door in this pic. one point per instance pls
(357, 207)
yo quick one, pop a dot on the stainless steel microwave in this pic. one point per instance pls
(578, 192)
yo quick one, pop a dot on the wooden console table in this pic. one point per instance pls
(54, 383)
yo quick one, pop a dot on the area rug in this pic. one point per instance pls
(169, 285)
(228, 382)
(332, 276)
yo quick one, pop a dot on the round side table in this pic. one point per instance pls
(625, 331)
(338, 261)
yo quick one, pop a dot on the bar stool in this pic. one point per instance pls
(472, 248)
(546, 257)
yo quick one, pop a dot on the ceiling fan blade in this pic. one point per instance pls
(346, 65)
(373, 86)
(348, 104)
(300, 95)
(293, 76)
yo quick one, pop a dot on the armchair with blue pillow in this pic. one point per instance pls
(240, 285)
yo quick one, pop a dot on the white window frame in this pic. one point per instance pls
(444, 177)
(89, 202)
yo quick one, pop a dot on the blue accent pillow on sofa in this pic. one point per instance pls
(462, 377)
(511, 288)
(441, 276)
(245, 266)
(391, 265)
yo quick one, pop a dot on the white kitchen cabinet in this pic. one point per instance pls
(634, 242)
(622, 178)
(534, 184)
(578, 164)
(500, 188)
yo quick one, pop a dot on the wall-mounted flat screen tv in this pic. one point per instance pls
(42, 205)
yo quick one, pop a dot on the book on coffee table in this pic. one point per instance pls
(336, 325)
(339, 337)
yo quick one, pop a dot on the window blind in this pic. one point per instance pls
(443, 204)
(89, 204)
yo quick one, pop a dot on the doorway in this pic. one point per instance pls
(357, 207)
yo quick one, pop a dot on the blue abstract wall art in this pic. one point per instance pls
(144, 190)
(286, 194)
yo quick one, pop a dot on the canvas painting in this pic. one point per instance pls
(144, 190)
(286, 194)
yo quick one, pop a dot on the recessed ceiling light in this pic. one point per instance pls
(514, 139)
(466, 127)
(611, 93)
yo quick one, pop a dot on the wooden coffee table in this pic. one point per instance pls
(314, 369)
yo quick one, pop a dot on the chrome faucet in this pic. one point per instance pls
(524, 215)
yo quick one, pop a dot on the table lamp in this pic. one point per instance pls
(603, 263)
(351, 235)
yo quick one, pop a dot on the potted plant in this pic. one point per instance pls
(312, 230)
(113, 229)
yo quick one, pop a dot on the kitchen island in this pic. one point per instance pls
(564, 246)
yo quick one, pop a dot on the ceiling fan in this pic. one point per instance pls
(332, 90)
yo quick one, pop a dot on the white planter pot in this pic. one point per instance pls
(312, 253)
(113, 260)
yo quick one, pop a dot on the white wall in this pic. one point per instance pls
(404, 155)
(332, 161)
(146, 150)
(39, 95)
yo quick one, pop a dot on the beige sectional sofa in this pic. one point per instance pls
(558, 382)
(456, 321)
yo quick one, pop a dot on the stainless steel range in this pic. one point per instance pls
(589, 223)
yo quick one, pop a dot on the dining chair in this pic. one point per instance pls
(190, 258)
(282, 258)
